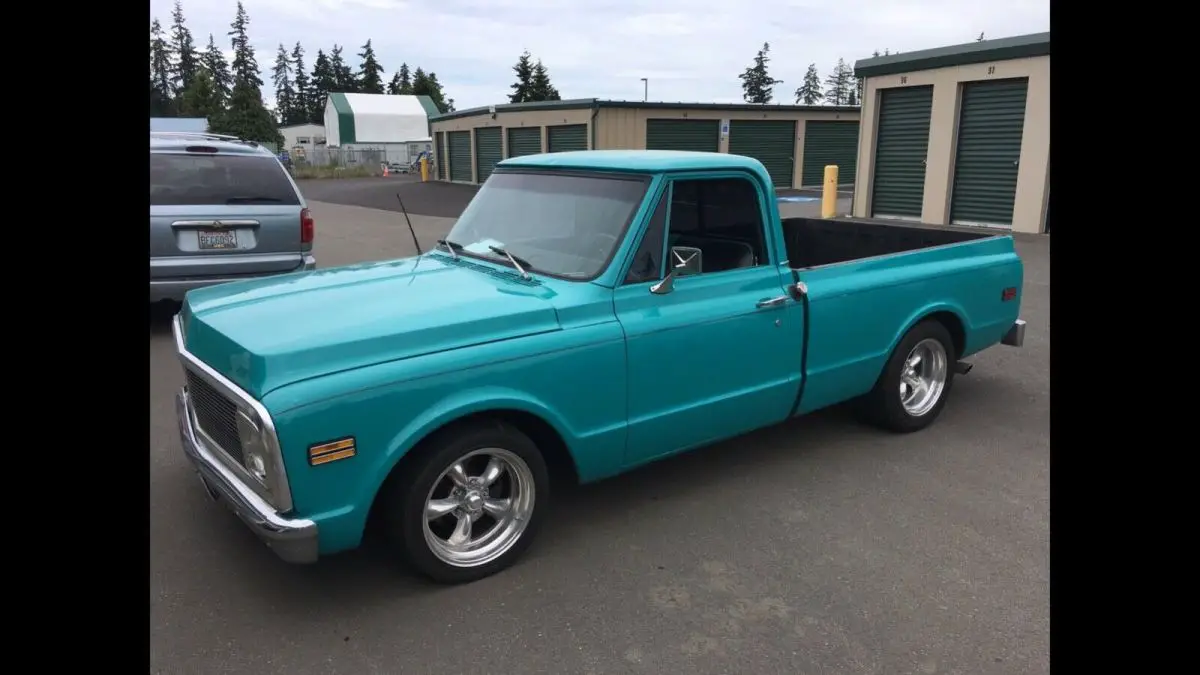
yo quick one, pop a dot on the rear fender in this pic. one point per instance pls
(925, 312)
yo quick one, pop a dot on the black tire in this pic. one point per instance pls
(884, 406)
(405, 497)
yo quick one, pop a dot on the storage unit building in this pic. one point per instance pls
(958, 135)
(386, 127)
(776, 135)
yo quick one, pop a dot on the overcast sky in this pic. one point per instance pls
(691, 50)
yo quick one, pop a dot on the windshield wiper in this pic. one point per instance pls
(242, 200)
(453, 246)
(518, 263)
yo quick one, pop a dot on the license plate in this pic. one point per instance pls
(216, 240)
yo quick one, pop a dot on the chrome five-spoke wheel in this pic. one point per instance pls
(479, 507)
(923, 377)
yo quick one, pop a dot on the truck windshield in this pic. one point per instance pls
(564, 225)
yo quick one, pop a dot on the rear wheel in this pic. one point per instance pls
(913, 387)
(470, 504)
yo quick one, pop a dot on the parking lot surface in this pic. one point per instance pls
(817, 546)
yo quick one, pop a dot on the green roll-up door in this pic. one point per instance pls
(697, 135)
(566, 137)
(439, 154)
(771, 142)
(489, 150)
(524, 141)
(902, 143)
(989, 152)
(829, 142)
(460, 156)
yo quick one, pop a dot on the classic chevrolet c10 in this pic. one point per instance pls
(589, 312)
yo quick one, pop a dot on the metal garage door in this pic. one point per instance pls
(901, 147)
(771, 142)
(489, 150)
(989, 152)
(524, 141)
(460, 156)
(825, 143)
(566, 137)
(439, 154)
(697, 135)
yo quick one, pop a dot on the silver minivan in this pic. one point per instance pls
(221, 209)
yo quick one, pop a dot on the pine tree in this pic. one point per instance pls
(837, 85)
(539, 85)
(369, 75)
(757, 85)
(401, 82)
(214, 63)
(184, 47)
(200, 99)
(246, 115)
(428, 85)
(163, 92)
(302, 109)
(523, 87)
(285, 90)
(856, 90)
(344, 80)
(809, 93)
(324, 82)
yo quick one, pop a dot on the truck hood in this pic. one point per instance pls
(266, 333)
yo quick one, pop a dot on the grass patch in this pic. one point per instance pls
(301, 172)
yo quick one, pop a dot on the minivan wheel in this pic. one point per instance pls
(913, 387)
(471, 504)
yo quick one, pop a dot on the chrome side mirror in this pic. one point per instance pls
(685, 261)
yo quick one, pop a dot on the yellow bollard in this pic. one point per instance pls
(424, 169)
(829, 192)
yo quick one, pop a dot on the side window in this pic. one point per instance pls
(720, 217)
(647, 262)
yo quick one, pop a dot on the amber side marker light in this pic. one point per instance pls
(324, 453)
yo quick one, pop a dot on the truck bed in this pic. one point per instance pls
(813, 242)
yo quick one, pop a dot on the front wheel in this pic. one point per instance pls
(471, 503)
(913, 387)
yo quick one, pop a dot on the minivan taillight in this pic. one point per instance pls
(307, 227)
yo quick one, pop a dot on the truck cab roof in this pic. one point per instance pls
(639, 161)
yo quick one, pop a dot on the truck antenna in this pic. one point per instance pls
(410, 227)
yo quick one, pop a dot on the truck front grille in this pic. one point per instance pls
(215, 415)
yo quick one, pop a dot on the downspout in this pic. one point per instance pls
(595, 112)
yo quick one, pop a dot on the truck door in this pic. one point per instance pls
(717, 352)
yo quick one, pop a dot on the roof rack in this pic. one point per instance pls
(202, 134)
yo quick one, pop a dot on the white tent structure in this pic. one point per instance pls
(386, 127)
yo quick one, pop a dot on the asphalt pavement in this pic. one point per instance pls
(434, 198)
(817, 546)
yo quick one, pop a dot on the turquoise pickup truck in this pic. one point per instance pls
(588, 313)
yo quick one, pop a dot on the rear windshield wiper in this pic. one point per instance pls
(453, 246)
(243, 200)
(518, 263)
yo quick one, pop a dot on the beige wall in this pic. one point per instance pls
(1033, 172)
(533, 118)
(625, 128)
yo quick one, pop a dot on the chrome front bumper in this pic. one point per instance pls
(294, 541)
(1015, 337)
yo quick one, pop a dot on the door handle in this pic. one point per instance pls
(771, 302)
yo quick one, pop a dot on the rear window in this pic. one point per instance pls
(200, 179)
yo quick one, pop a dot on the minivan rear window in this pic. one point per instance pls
(208, 179)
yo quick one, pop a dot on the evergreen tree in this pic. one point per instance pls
(428, 85)
(160, 72)
(187, 62)
(324, 82)
(285, 90)
(370, 80)
(809, 93)
(214, 63)
(401, 81)
(757, 85)
(344, 80)
(200, 99)
(856, 90)
(246, 115)
(523, 87)
(302, 110)
(838, 85)
(539, 85)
